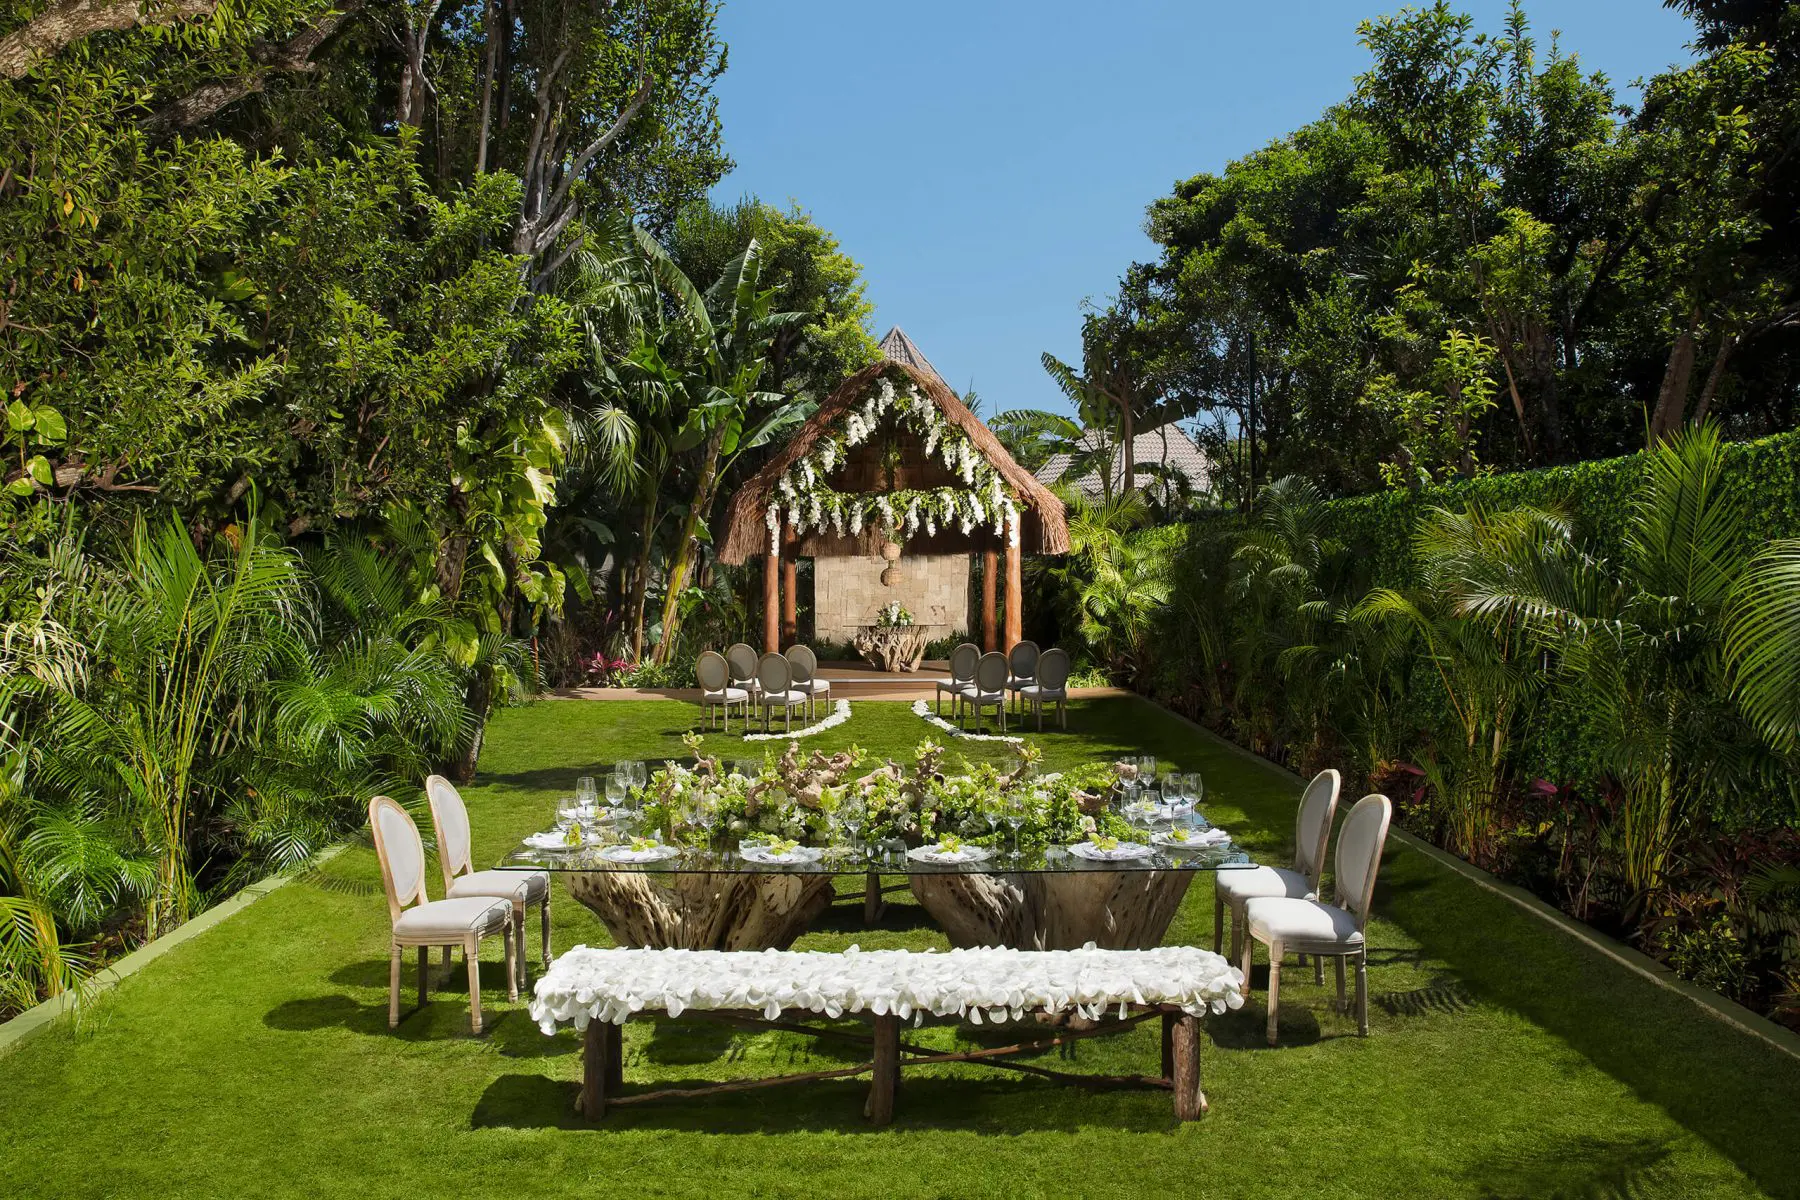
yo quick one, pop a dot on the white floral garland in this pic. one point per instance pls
(811, 504)
(840, 712)
(922, 708)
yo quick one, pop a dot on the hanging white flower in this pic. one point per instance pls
(772, 518)
(794, 516)
(816, 514)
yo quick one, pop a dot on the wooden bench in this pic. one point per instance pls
(597, 991)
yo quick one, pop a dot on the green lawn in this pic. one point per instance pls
(1504, 1059)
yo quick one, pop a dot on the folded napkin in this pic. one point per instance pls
(1200, 839)
(548, 841)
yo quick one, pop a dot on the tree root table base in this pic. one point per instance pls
(710, 910)
(602, 1063)
(1054, 910)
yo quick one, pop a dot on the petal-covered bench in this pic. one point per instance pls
(597, 991)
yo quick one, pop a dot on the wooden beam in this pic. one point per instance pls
(1015, 598)
(790, 590)
(771, 603)
(990, 571)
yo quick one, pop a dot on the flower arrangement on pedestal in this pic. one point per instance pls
(894, 615)
(809, 503)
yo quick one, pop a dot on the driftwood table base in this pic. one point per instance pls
(1062, 910)
(708, 910)
(602, 1063)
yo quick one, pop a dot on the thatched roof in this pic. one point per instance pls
(1045, 529)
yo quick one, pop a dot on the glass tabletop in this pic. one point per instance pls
(891, 860)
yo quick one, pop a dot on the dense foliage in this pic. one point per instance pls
(316, 327)
(1586, 678)
(1480, 259)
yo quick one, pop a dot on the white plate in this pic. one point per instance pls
(554, 841)
(625, 854)
(1125, 853)
(799, 854)
(931, 854)
(1206, 839)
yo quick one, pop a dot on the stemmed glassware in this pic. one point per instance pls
(1015, 817)
(585, 793)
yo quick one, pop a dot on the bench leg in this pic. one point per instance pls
(602, 1068)
(886, 1077)
(1184, 1048)
(872, 902)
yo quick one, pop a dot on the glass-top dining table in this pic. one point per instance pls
(1044, 898)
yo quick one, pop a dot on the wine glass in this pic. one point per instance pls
(1015, 817)
(585, 794)
(854, 817)
(616, 790)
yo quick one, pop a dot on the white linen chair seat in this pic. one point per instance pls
(976, 694)
(814, 685)
(781, 699)
(465, 915)
(524, 887)
(731, 695)
(1032, 691)
(1304, 926)
(1238, 886)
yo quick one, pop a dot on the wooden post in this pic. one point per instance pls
(1015, 602)
(790, 591)
(990, 570)
(771, 603)
(1190, 1101)
(602, 1068)
(885, 1078)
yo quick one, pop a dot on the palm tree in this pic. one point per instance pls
(1683, 652)
(1115, 587)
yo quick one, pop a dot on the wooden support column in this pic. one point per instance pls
(790, 590)
(602, 1068)
(1015, 597)
(771, 603)
(990, 570)
(885, 1079)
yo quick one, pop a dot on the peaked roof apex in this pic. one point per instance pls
(895, 346)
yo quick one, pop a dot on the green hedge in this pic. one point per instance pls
(1596, 494)
(1557, 743)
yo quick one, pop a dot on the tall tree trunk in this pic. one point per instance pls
(1129, 446)
(491, 35)
(684, 550)
(640, 583)
(1501, 344)
(1710, 388)
(1671, 400)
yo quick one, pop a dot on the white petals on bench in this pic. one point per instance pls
(588, 984)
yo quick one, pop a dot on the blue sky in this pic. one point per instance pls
(989, 163)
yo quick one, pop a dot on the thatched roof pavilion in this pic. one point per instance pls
(893, 457)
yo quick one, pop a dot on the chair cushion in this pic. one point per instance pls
(817, 685)
(1301, 924)
(453, 919)
(981, 697)
(731, 695)
(1032, 691)
(529, 886)
(781, 699)
(1240, 885)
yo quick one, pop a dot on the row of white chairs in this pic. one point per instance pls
(743, 679)
(984, 681)
(1281, 908)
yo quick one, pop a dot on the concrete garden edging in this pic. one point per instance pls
(34, 1021)
(1716, 1006)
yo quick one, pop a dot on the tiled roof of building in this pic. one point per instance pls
(897, 347)
(1168, 445)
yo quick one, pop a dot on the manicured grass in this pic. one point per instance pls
(1504, 1059)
